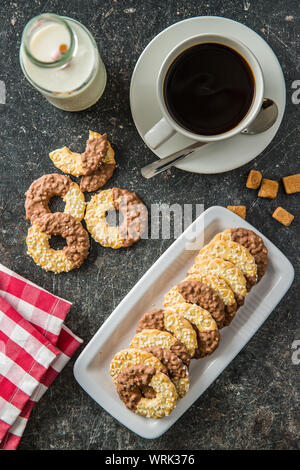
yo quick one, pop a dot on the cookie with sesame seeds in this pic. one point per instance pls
(221, 288)
(78, 164)
(71, 256)
(71, 163)
(168, 320)
(162, 360)
(252, 242)
(227, 271)
(132, 357)
(46, 187)
(102, 174)
(134, 218)
(133, 381)
(176, 370)
(236, 254)
(67, 161)
(208, 336)
(195, 292)
(161, 339)
(152, 338)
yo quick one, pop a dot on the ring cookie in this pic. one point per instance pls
(132, 357)
(77, 164)
(252, 242)
(208, 336)
(71, 256)
(43, 189)
(168, 320)
(161, 339)
(226, 271)
(133, 380)
(134, 214)
(195, 292)
(67, 161)
(222, 289)
(99, 177)
(236, 254)
(176, 370)
(163, 360)
(148, 339)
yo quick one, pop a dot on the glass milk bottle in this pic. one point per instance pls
(60, 58)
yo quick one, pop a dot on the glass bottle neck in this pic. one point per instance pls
(49, 41)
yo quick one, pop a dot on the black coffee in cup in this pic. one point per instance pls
(209, 88)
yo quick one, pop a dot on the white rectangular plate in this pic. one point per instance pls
(91, 369)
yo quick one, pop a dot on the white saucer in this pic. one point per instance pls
(218, 156)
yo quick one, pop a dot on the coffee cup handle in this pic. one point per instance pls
(159, 133)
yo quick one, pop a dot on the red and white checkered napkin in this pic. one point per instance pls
(35, 345)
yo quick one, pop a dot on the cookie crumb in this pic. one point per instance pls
(239, 210)
(268, 189)
(283, 216)
(291, 183)
(129, 10)
(254, 179)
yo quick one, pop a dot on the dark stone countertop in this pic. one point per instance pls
(254, 404)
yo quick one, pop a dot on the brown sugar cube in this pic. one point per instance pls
(283, 216)
(291, 183)
(239, 210)
(268, 188)
(254, 179)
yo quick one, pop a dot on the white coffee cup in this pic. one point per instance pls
(167, 127)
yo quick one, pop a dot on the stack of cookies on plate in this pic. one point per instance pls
(153, 374)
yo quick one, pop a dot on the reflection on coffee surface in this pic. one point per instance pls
(209, 89)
